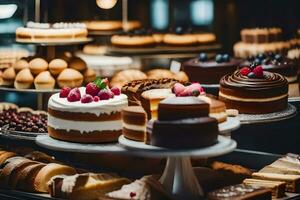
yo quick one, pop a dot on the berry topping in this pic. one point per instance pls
(116, 91)
(245, 71)
(226, 58)
(187, 92)
(203, 57)
(195, 92)
(92, 89)
(196, 87)
(104, 94)
(251, 75)
(96, 99)
(101, 83)
(178, 88)
(74, 95)
(64, 92)
(132, 194)
(179, 30)
(258, 71)
(219, 58)
(111, 94)
(87, 98)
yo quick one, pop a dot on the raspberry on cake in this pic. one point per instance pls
(83, 115)
(254, 91)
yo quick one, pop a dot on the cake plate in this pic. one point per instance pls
(178, 177)
(231, 124)
(288, 113)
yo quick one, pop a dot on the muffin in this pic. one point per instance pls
(44, 81)
(77, 63)
(8, 76)
(56, 66)
(38, 65)
(24, 79)
(70, 78)
(21, 64)
(89, 75)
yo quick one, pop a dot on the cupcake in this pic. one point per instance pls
(24, 79)
(38, 65)
(77, 63)
(8, 76)
(44, 81)
(21, 64)
(89, 75)
(56, 66)
(70, 78)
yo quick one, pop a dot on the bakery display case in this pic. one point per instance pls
(149, 100)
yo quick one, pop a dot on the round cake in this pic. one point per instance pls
(44, 32)
(210, 71)
(254, 91)
(91, 119)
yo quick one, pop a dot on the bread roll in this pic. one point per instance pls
(56, 66)
(70, 78)
(38, 65)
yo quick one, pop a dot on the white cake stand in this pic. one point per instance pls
(231, 124)
(179, 178)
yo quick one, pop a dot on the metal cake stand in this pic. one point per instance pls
(178, 177)
(288, 113)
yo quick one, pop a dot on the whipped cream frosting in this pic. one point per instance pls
(84, 126)
(108, 107)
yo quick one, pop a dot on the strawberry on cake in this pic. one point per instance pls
(90, 114)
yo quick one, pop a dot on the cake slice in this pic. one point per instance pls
(277, 187)
(279, 170)
(240, 192)
(287, 163)
(292, 181)
(84, 186)
(146, 188)
(49, 171)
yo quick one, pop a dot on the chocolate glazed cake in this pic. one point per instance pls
(254, 95)
(207, 71)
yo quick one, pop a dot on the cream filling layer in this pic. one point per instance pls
(252, 99)
(135, 127)
(84, 126)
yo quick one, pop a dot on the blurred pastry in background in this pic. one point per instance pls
(44, 81)
(180, 37)
(21, 64)
(136, 38)
(56, 66)
(77, 63)
(24, 79)
(89, 75)
(8, 76)
(38, 65)
(158, 37)
(111, 25)
(126, 76)
(164, 73)
(70, 78)
(94, 49)
(206, 38)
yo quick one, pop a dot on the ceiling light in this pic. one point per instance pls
(106, 4)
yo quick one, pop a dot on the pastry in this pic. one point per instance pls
(176, 108)
(261, 35)
(277, 187)
(240, 192)
(69, 78)
(6, 155)
(111, 25)
(204, 38)
(44, 81)
(94, 49)
(163, 73)
(146, 188)
(130, 25)
(134, 121)
(77, 63)
(292, 181)
(86, 115)
(8, 76)
(180, 37)
(40, 157)
(38, 65)
(84, 186)
(254, 91)
(126, 76)
(57, 32)
(21, 64)
(181, 76)
(9, 56)
(136, 38)
(217, 109)
(150, 99)
(24, 79)
(210, 71)
(25, 179)
(46, 173)
(89, 75)
(56, 66)
(158, 37)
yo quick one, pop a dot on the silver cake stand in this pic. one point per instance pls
(288, 113)
(178, 177)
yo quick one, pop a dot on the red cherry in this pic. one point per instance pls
(116, 91)
(74, 95)
(64, 92)
(258, 71)
(92, 89)
(132, 194)
(104, 95)
(86, 98)
(245, 71)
